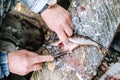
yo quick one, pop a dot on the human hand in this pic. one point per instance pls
(22, 62)
(58, 20)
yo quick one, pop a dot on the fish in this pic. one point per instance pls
(78, 40)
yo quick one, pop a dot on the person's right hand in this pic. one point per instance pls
(22, 62)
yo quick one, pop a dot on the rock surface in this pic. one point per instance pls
(113, 70)
(97, 19)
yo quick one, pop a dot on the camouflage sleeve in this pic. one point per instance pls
(34, 5)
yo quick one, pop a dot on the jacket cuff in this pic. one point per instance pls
(38, 5)
(4, 64)
(1, 73)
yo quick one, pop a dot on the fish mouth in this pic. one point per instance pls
(69, 46)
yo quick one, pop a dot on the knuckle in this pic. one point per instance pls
(68, 14)
(58, 31)
(25, 71)
(60, 24)
(24, 50)
(65, 20)
(70, 33)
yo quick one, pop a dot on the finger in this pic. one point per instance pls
(40, 58)
(67, 29)
(70, 23)
(32, 53)
(36, 67)
(69, 20)
(27, 53)
(62, 36)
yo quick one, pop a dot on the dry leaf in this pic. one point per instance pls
(51, 66)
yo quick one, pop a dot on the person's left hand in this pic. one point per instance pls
(59, 20)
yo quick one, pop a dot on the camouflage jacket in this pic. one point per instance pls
(7, 5)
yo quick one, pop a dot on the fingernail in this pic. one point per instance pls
(51, 58)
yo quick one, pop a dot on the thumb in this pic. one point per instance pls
(28, 53)
(62, 36)
(41, 58)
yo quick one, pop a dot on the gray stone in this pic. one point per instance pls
(97, 19)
